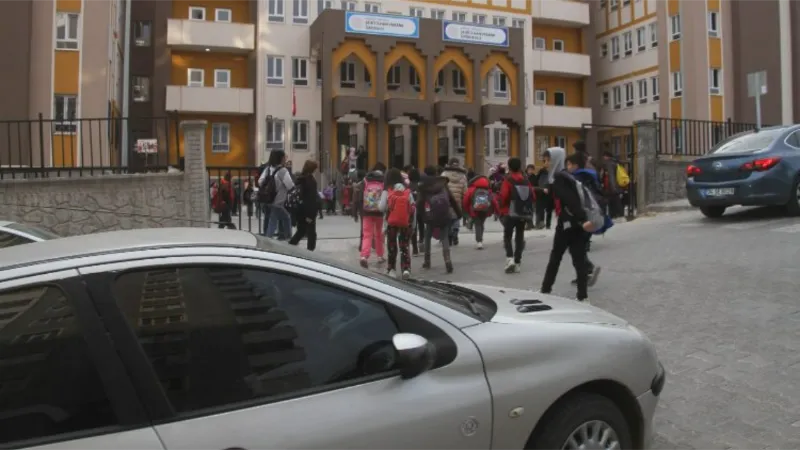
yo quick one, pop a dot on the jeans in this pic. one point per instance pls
(574, 240)
(306, 230)
(372, 227)
(479, 222)
(397, 236)
(280, 221)
(443, 232)
(514, 228)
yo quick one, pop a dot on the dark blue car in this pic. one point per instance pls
(756, 168)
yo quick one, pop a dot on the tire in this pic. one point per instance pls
(573, 412)
(793, 206)
(713, 212)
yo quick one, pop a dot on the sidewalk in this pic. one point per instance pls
(670, 206)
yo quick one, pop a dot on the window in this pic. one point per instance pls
(222, 15)
(195, 78)
(604, 98)
(322, 5)
(300, 71)
(539, 43)
(653, 34)
(393, 77)
(197, 13)
(499, 21)
(641, 39)
(416, 12)
(222, 78)
(617, 95)
(348, 5)
(300, 11)
(347, 74)
(479, 18)
(626, 2)
(459, 82)
(275, 131)
(413, 78)
(439, 80)
(614, 5)
(793, 139)
(67, 31)
(141, 89)
(220, 138)
(561, 141)
(715, 81)
(675, 26)
(501, 141)
(654, 88)
(500, 84)
(275, 70)
(677, 138)
(540, 97)
(615, 48)
(677, 84)
(642, 91)
(48, 369)
(559, 98)
(10, 240)
(627, 39)
(713, 23)
(629, 94)
(487, 140)
(142, 33)
(558, 45)
(542, 144)
(329, 330)
(459, 16)
(518, 23)
(437, 14)
(300, 134)
(603, 49)
(65, 109)
(370, 7)
(460, 139)
(275, 10)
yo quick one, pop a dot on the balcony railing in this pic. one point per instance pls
(561, 63)
(214, 36)
(561, 12)
(210, 100)
(560, 116)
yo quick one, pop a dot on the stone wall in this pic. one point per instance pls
(659, 178)
(670, 181)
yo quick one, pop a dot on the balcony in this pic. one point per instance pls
(214, 36)
(561, 64)
(560, 116)
(209, 100)
(572, 13)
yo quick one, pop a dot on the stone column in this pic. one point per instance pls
(430, 126)
(644, 178)
(195, 176)
(380, 93)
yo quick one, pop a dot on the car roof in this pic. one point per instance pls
(124, 240)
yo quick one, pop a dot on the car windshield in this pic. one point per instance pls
(748, 143)
(464, 300)
(35, 232)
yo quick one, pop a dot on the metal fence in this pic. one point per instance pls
(689, 137)
(41, 148)
(247, 213)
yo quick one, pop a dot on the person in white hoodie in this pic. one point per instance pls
(274, 184)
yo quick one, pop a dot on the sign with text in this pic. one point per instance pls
(146, 146)
(381, 24)
(467, 33)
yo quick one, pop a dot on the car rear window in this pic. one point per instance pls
(33, 231)
(749, 143)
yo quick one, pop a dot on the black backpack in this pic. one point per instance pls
(269, 190)
(521, 205)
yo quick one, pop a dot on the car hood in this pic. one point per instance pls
(521, 306)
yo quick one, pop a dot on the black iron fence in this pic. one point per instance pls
(41, 148)
(246, 211)
(689, 137)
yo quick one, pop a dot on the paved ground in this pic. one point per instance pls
(719, 299)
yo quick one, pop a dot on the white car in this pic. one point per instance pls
(13, 233)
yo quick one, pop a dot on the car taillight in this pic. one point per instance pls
(761, 165)
(693, 171)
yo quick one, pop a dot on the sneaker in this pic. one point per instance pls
(392, 273)
(406, 274)
(480, 246)
(593, 276)
(448, 267)
(585, 301)
(517, 267)
(364, 263)
(381, 260)
(455, 240)
(510, 266)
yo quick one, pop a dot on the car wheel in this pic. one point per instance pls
(793, 207)
(583, 421)
(713, 212)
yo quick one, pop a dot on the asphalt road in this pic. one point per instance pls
(720, 299)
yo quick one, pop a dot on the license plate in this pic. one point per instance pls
(718, 192)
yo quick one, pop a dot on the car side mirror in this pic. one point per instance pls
(415, 354)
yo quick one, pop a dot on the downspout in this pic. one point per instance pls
(126, 84)
(785, 32)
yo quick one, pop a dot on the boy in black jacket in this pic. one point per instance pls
(571, 226)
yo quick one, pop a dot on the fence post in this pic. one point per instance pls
(195, 175)
(646, 153)
(729, 124)
(41, 141)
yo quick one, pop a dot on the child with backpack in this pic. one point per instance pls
(439, 209)
(516, 202)
(478, 204)
(398, 204)
(372, 216)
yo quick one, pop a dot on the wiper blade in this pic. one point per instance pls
(453, 291)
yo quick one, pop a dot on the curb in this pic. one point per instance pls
(669, 208)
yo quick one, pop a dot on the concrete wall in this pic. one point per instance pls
(669, 182)
(658, 179)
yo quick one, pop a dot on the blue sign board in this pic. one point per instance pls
(469, 33)
(381, 24)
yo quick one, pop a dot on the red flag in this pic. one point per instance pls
(294, 102)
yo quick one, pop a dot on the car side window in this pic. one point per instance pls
(794, 139)
(222, 335)
(10, 240)
(49, 384)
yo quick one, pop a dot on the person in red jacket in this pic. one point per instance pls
(516, 209)
(479, 203)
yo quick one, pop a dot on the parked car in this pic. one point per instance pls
(13, 233)
(755, 168)
(202, 338)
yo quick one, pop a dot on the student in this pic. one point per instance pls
(588, 177)
(439, 208)
(418, 229)
(533, 179)
(544, 200)
(274, 184)
(478, 204)
(306, 214)
(457, 184)
(371, 215)
(397, 202)
(515, 202)
(572, 223)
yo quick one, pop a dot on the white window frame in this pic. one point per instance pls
(643, 91)
(217, 73)
(459, 16)
(499, 84)
(297, 125)
(348, 5)
(500, 144)
(539, 43)
(460, 139)
(322, 5)
(499, 21)
(370, 7)
(563, 95)
(614, 5)
(540, 97)
(300, 11)
(142, 97)
(518, 23)
(143, 33)
(560, 141)
(615, 48)
(437, 14)
(629, 94)
(299, 77)
(275, 78)
(201, 9)
(676, 84)
(641, 39)
(276, 133)
(416, 11)
(627, 40)
(653, 35)
(348, 72)
(459, 81)
(616, 94)
(67, 42)
(191, 83)
(558, 45)
(67, 124)
(217, 12)
(713, 24)
(479, 19)
(654, 88)
(604, 49)
(715, 90)
(276, 11)
(604, 98)
(394, 77)
(675, 27)
(219, 145)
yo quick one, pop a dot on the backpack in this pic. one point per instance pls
(521, 204)
(437, 208)
(481, 200)
(216, 199)
(623, 180)
(372, 196)
(269, 190)
(400, 210)
(294, 200)
(594, 214)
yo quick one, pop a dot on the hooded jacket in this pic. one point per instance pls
(568, 204)
(457, 184)
(429, 186)
(375, 175)
(506, 191)
(479, 182)
(310, 197)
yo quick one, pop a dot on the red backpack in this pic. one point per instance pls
(400, 208)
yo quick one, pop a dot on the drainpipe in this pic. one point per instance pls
(126, 83)
(785, 27)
